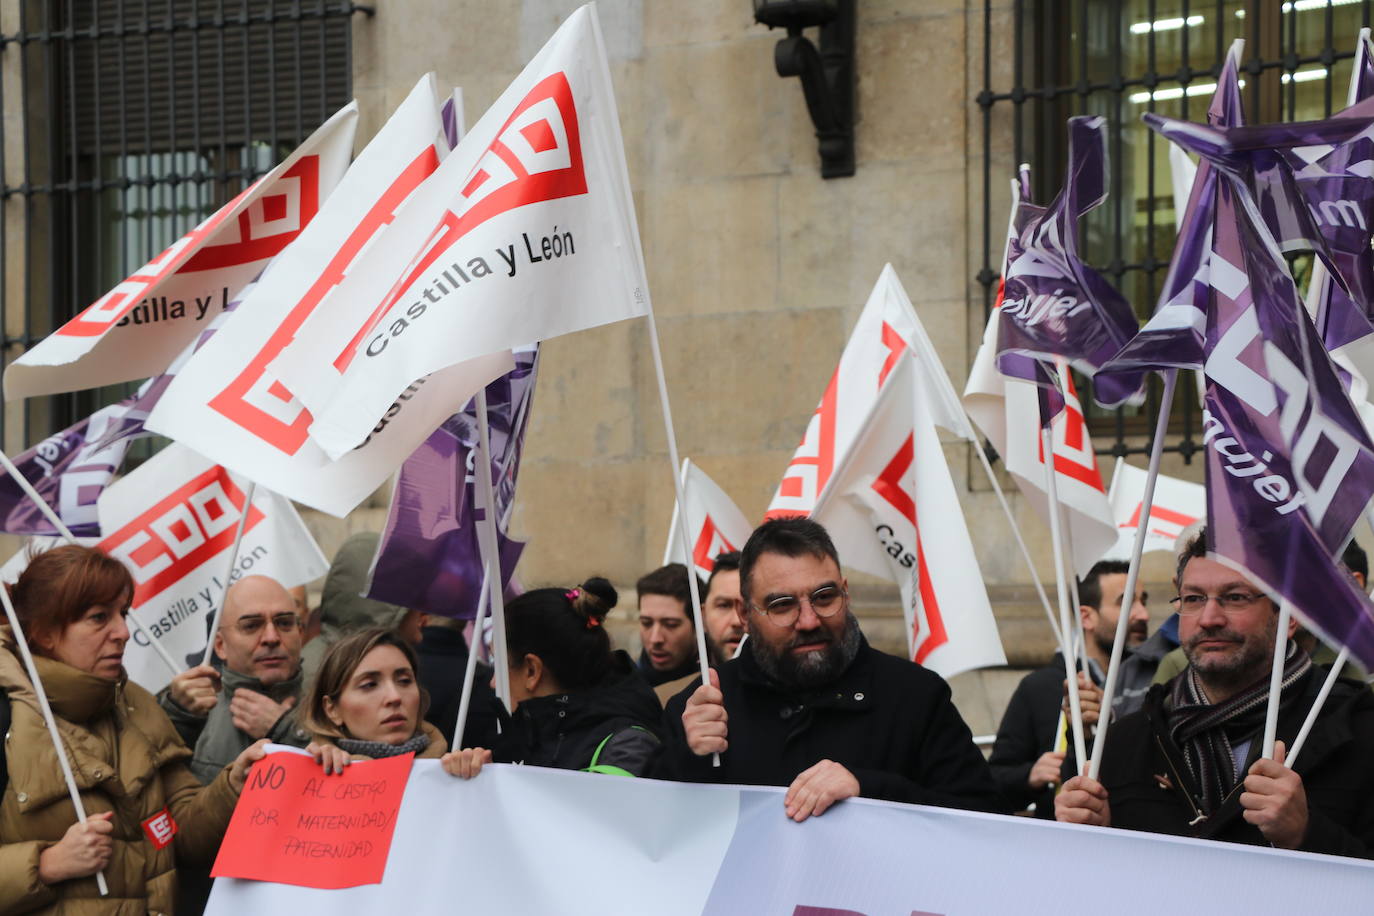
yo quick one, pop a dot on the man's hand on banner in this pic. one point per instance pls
(704, 719)
(466, 763)
(817, 788)
(1045, 771)
(1083, 801)
(196, 689)
(238, 770)
(256, 713)
(1275, 800)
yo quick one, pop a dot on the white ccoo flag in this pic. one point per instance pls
(886, 328)
(172, 522)
(137, 329)
(527, 231)
(227, 404)
(892, 510)
(1177, 504)
(715, 523)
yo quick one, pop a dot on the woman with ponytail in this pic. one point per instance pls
(578, 705)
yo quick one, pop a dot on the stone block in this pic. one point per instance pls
(712, 245)
(702, 21)
(585, 402)
(622, 25)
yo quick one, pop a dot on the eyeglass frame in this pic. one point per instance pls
(770, 616)
(1237, 609)
(261, 621)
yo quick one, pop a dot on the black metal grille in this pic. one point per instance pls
(127, 122)
(1118, 59)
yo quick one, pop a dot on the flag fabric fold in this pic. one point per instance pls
(715, 525)
(1176, 505)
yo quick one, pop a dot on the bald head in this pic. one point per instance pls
(259, 632)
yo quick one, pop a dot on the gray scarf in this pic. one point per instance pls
(379, 749)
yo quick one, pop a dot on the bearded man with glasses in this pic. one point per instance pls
(811, 706)
(218, 714)
(1188, 763)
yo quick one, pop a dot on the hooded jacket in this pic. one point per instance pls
(343, 609)
(610, 728)
(217, 740)
(126, 758)
(1150, 788)
(888, 721)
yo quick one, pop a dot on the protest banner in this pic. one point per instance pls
(892, 511)
(731, 849)
(1177, 504)
(295, 825)
(136, 329)
(172, 523)
(227, 404)
(526, 231)
(715, 525)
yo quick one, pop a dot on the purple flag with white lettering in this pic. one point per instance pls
(69, 470)
(429, 558)
(1290, 468)
(1053, 304)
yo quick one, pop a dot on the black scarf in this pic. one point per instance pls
(1207, 732)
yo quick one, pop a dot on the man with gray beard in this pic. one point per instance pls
(811, 706)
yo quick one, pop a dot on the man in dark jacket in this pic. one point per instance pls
(811, 706)
(1189, 764)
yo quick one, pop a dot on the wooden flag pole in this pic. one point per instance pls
(56, 521)
(470, 672)
(229, 571)
(491, 558)
(1052, 489)
(49, 719)
(703, 657)
(1133, 571)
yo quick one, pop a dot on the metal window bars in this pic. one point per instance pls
(123, 124)
(1119, 58)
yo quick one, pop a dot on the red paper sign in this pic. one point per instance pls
(295, 825)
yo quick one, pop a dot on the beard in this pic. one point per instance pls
(809, 669)
(1241, 668)
(1136, 633)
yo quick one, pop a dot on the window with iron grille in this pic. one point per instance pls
(1119, 59)
(127, 122)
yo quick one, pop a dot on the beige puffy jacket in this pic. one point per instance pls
(127, 758)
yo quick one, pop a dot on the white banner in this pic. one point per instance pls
(172, 522)
(892, 511)
(714, 523)
(522, 839)
(886, 328)
(527, 231)
(137, 329)
(227, 404)
(1177, 504)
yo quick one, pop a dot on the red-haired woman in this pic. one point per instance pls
(145, 809)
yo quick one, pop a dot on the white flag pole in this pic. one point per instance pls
(1147, 500)
(491, 558)
(470, 672)
(702, 656)
(229, 571)
(1291, 758)
(1271, 712)
(56, 521)
(1020, 542)
(1075, 708)
(50, 720)
(673, 526)
(1071, 577)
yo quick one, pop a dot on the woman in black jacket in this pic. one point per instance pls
(577, 704)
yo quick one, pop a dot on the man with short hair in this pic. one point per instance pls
(667, 629)
(1188, 762)
(721, 608)
(220, 714)
(1024, 761)
(811, 706)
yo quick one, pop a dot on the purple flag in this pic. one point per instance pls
(429, 558)
(69, 470)
(1053, 304)
(1290, 468)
